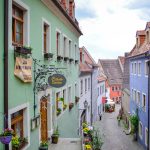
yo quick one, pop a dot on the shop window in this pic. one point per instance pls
(17, 25)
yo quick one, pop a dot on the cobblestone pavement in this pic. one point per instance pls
(113, 136)
(66, 144)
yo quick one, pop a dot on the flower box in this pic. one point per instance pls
(71, 60)
(71, 106)
(76, 61)
(76, 99)
(66, 58)
(59, 58)
(23, 50)
(48, 55)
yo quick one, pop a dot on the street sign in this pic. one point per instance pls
(57, 80)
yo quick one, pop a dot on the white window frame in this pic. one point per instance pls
(89, 83)
(76, 52)
(132, 68)
(81, 87)
(70, 52)
(140, 130)
(59, 47)
(85, 85)
(26, 121)
(70, 94)
(26, 25)
(138, 98)
(146, 136)
(139, 69)
(65, 46)
(145, 68)
(135, 68)
(44, 21)
(144, 107)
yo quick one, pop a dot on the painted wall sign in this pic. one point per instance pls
(57, 80)
(23, 69)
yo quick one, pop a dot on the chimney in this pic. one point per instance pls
(140, 38)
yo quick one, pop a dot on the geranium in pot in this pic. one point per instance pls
(55, 136)
(43, 145)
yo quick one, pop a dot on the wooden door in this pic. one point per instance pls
(43, 111)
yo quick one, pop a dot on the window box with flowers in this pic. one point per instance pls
(23, 50)
(48, 55)
(76, 99)
(18, 143)
(6, 136)
(59, 58)
(58, 111)
(71, 60)
(64, 106)
(76, 61)
(71, 105)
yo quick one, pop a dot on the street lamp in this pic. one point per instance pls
(85, 104)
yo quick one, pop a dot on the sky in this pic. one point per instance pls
(109, 26)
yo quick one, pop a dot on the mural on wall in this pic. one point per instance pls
(23, 69)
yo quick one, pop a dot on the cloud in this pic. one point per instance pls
(85, 13)
(111, 31)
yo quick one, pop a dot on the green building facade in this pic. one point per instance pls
(35, 109)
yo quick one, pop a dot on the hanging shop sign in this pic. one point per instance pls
(57, 80)
(23, 69)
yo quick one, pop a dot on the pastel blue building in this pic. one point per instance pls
(139, 57)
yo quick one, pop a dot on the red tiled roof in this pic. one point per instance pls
(101, 78)
(122, 59)
(84, 67)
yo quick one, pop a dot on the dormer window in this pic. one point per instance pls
(71, 8)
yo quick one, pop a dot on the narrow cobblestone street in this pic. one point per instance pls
(113, 136)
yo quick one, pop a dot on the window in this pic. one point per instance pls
(146, 136)
(64, 95)
(139, 68)
(132, 69)
(116, 88)
(70, 49)
(58, 43)
(81, 84)
(144, 102)
(69, 94)
(120, 99)
(57, 98)
(140, 129)
(98, 91)
(76, 90)
(138, 98)
(17, 123)
(88, 83)
(85, 85)
(134, 95)
(65, 46)
(45, 37)
(112, 88)
(135, 69)
(146, 68)
(17, 25)
(76, 52)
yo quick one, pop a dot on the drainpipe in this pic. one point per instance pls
(6, 67)
(91, 100)
(148, 104)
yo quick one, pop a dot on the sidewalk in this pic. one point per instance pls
(66, 144)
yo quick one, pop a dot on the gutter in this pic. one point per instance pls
(57, 4)
(91, 101)
(6, 2)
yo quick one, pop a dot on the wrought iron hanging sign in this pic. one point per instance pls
(56, 80)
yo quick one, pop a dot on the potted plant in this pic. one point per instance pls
(134, 126)
(76, 61)
(88, 147)
(6, 136)
(55, 136)
(48, 55)
(43, 145)
(66, 58)
(59, 58)
(15, 142)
